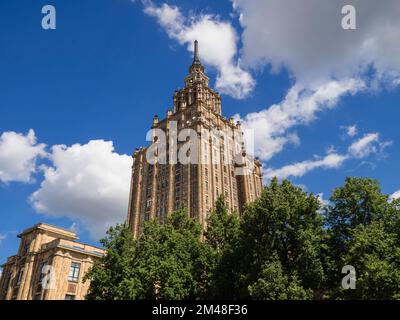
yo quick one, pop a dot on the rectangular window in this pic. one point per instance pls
(7, 282)
(148, 203)
(20, 275)
(74, 272)
(69, 297)
(41, 273)
(26, 247)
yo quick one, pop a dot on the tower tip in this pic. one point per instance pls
(196, 51)
(196, 64)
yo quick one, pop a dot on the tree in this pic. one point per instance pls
(358, 202)
(363, 228)
(221, 235)
(222, 227)
(109, 273)
(375, 254)
(169, 261)
(281, 232)
(284, 246)
(274, 284)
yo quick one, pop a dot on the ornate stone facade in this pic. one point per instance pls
(50, 265)
(223, 167)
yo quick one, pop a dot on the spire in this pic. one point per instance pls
(196, 69)
(196, 59)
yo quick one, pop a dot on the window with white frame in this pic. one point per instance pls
(74, 271)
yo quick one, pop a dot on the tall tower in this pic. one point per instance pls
(220, 166)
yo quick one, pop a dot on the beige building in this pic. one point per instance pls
(50, 265)
(222, 165)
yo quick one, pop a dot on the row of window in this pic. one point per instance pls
(67, 296)
(73, 276)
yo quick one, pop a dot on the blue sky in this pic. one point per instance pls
(112, 64)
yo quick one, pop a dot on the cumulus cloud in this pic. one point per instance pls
(18, 155)
(87, 183)
(272, 126)
(306, 37)
(217, 42)
(299, 169)
(367, 145)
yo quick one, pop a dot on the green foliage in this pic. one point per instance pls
(222, 227)
(169, 262)
(364, 232)
(221, 236)
(109, 274)
(283, 225)
(284, 246)
(274, 284)
(376, 256)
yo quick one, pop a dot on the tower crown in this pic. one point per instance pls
(196, 70)
(196, 94)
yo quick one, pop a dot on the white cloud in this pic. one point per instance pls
(217, 45)
(307, 38)
(88, 183)
(74, 227)
(18, 156)
(352, 130)
(272, 125)
(2, 237)
(330, 161)
(322, 201)
(302, 187)
(362, 148)
(326, 61)
(395, 195)
(367, 145)
(331, 149)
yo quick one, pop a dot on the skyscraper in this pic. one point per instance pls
(196, 155)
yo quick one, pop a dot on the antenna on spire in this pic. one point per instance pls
(196, 52)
